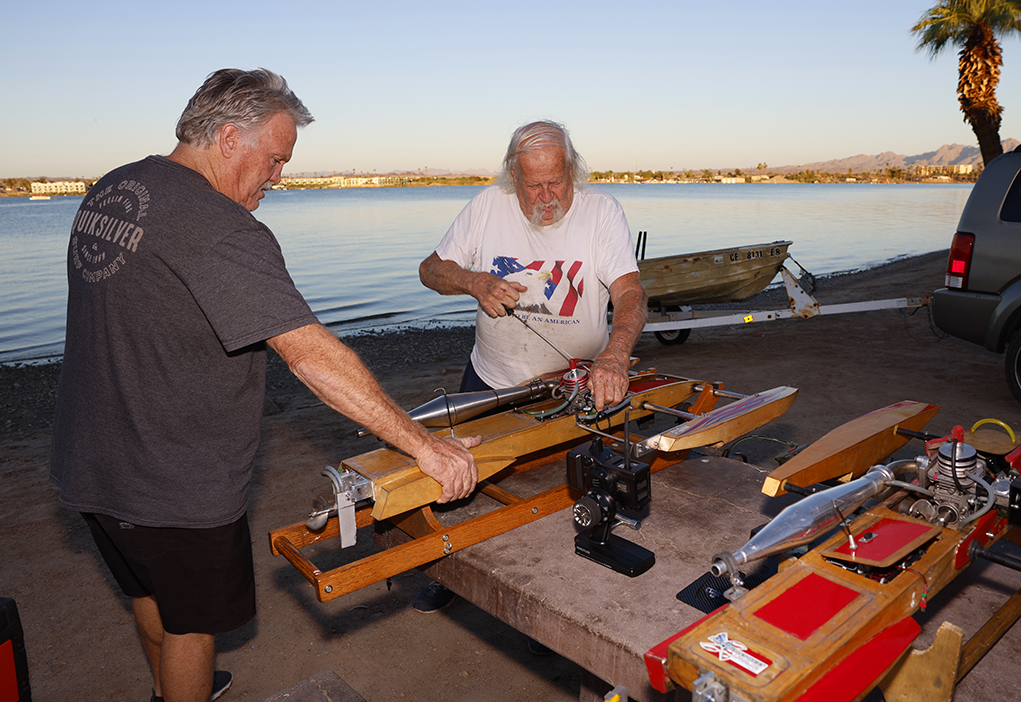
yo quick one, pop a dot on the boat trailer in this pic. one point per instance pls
(674, 326)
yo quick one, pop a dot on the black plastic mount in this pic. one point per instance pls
(616, 553)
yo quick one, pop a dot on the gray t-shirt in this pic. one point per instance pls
(172, 288)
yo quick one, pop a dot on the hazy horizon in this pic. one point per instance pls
(485, 173)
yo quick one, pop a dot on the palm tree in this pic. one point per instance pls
(975, 26)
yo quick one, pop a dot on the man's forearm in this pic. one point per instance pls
(494, 294)
(445, 277)
(630, 313)
(609, 378)
(339, 378)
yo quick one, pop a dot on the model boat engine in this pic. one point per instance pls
(951, 490)
(570, 391)
(608, 480)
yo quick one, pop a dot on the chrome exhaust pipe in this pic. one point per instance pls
(802, 521)
(449, 410)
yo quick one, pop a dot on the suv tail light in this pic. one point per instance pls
(959, 261)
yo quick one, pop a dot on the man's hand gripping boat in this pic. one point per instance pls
(386, 484)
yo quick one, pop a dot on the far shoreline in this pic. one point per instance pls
(445, 181)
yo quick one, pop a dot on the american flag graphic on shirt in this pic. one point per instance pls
(557, 275)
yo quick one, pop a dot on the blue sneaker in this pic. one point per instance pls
(433, 599)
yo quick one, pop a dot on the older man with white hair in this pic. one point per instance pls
(543, 217)
(543, 244)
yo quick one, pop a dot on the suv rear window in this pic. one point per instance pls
(1011, 211)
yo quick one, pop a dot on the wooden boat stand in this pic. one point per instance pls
(430, 540)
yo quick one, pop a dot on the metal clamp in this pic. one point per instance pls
(349, 488)
(708, 689)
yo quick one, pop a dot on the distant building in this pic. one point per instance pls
(317, 182)
(959, 169)
(337, 181)
(59, 187)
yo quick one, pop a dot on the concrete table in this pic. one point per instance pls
(531, 578)
(604, 621)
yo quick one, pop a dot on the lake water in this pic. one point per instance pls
(354, 253)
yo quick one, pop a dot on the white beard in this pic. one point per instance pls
(537, 214)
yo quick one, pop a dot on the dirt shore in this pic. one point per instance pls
(78, 632)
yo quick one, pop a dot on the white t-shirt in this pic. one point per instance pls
(567, 268)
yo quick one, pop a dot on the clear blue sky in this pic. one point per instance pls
(441, 85)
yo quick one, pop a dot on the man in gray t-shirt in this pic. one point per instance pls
(174, 291)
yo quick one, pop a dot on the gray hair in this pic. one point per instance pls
(247, 99)
(540, 135)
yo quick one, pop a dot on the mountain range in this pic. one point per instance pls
(946, 155)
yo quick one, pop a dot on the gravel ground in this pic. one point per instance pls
(28, 397)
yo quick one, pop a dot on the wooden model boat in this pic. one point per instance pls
(388, 485)
(399, 485)
(721, 275)
(837, 621)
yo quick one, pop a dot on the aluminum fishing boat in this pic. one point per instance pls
(722, 275)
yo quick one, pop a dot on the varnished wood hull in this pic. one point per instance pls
(850, 449)
(399, 485)
(833, 624)
(514, 442)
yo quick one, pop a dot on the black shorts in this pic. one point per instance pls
(203, 579)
